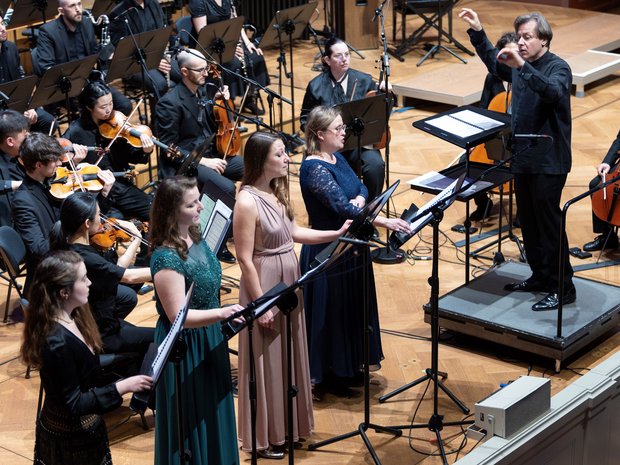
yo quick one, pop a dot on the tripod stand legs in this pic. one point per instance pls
(426, 377)
(436, 48)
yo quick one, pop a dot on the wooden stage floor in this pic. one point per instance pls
(475, 368)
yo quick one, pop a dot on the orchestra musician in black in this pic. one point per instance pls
(607, 238)
(69, 38)
(11, 70)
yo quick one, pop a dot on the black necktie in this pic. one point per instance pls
(338, 91)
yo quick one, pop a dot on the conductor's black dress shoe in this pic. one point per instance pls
(529, 285)
(552, 302)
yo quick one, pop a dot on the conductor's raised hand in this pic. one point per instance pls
(509, 55)
(471, 17)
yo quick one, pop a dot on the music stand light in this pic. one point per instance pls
(221, 39)
(18, 92)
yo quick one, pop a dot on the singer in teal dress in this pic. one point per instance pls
(208, 409)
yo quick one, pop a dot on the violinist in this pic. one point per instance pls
(185, 119)
(11, 70)
(110, 299)
(127, 201)
(34, 210)
(338, 83)
(607, 238)
(248, 57)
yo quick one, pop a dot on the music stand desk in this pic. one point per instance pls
(19, 93)
(221, 39)
(298, 15)
(125, 61)
(28, 12)
(435, 184)
(50, 86)
(369, 113)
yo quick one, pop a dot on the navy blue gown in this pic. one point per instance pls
(334, 300)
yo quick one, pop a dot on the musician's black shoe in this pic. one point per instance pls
(599, 243)
(226, 256)
(251, 107)
(270, 454)
(552, 302)
(529, 285)
(482, 211)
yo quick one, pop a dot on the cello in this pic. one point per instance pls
(605, 201)
(227, 137)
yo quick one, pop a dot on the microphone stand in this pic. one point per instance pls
(140, 58)
(385, 255)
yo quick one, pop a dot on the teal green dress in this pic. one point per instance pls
(208, 409)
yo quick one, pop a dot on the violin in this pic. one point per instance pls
(110, 233)
(83, 178)
(67, 145)
(118, 126)
(227, 137)
(605, 201)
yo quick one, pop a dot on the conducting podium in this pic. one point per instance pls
(466, 127)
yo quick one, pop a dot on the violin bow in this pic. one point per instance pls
(120, 130)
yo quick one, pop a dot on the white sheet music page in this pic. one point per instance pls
(476, 119)
(464, 123)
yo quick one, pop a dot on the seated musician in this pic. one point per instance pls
(607, 238)
(11, 70)
(13, 130)
(68, 38)
(34, 209)
(110, 300)
(204, 12)
(339, 84)
(127, 201)
(185, 119)
(136, 16)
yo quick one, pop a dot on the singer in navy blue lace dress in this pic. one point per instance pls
(334, 301)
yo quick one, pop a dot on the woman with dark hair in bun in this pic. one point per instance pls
(111, 299)
(126, 200)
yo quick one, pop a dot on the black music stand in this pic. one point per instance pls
(466, 127)
(221, 39)
(358, 234)
(102, 7)
(139, 53)
(293, 22)
(190, 161)
(433, 212)
(18, 93)
(366, 122)
(25, 12)
(172, 348)
(62, 82)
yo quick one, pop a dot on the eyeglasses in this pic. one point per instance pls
(341, 56)
(197, 70)
(338, 129)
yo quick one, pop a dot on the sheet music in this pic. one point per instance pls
(218, 227)
(436, 180)
(216, 224)
(422, 220)
(464, 123)
(166, 345)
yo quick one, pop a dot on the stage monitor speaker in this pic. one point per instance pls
(511, 408)
(353, 23)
